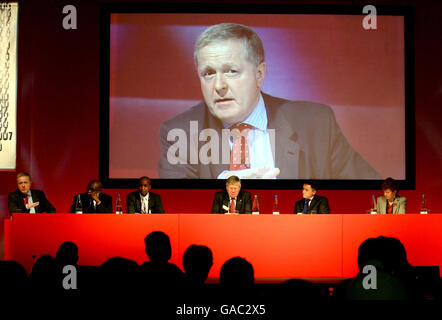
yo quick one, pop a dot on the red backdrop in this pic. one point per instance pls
(58, 112)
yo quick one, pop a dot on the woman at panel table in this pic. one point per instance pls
(391, 201)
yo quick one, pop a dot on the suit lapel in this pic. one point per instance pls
(223, 158)
(35, 199)
(149, 202)
(226, 200)
(396, 204)
(285, 148)
(313, 203)
(138, 203)
(239, 202)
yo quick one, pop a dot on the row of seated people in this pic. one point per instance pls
(160, 279)
(231, 200)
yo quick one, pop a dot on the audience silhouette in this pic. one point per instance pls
(197, 261)
(44, 275)
(67, 254)
(388, 257)
(158, 275)
(237, 273)
(163, 282)
(237, 279)
(13, 278)
(120, 276)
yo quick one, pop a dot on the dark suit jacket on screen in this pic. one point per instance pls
(16, 202)
(308, 143)
(318, 205)
(243, 202)
(88, 206)
(133, 203)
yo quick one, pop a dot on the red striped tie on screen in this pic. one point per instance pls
(240, 157)
(26, 200)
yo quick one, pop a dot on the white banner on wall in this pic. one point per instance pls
(8, 85)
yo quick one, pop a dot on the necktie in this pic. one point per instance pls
(26, 202)
(305, 210)
(239, 157)
(232, 205)
(144, 206)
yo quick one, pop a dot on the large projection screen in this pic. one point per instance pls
(325, 61)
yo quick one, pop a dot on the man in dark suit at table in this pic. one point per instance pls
(311, 202)
(142, 200)
(233, 199)
(27, 200)
(93, 200)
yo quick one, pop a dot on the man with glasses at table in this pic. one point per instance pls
(142, 200)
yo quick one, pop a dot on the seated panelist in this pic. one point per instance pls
(391, 201)
(233, 199)
(142, 200)
(311, 202)
(93, 200)
(27, 200)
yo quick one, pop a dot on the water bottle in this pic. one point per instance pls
(255, 207)
(78, 205)
(118, 205)
(373, 209)
(276, 205)
(424, 208)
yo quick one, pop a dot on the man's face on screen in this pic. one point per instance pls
(24, 184)
(233, 189)
(144, 186)
(307, 191)
(230, 83)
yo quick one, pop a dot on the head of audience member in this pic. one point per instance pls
(237, 272)
(120, 274)
(231, 67)
(197, 261)
(385, 253)
(44, 275)
(370, 252)
(13, 277)
(309, 189)
(375, 252)
(24, 182)
(67, 254)
(144, 185)
(158, 247)
(94, 187)
(390, 188)
(233, 186)
(394, 255)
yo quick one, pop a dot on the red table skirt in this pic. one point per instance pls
(284, 246)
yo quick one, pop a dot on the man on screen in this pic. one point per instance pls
(142, 200)
(232, 200)
(239, 130)
(25, 199)
(311, 202)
